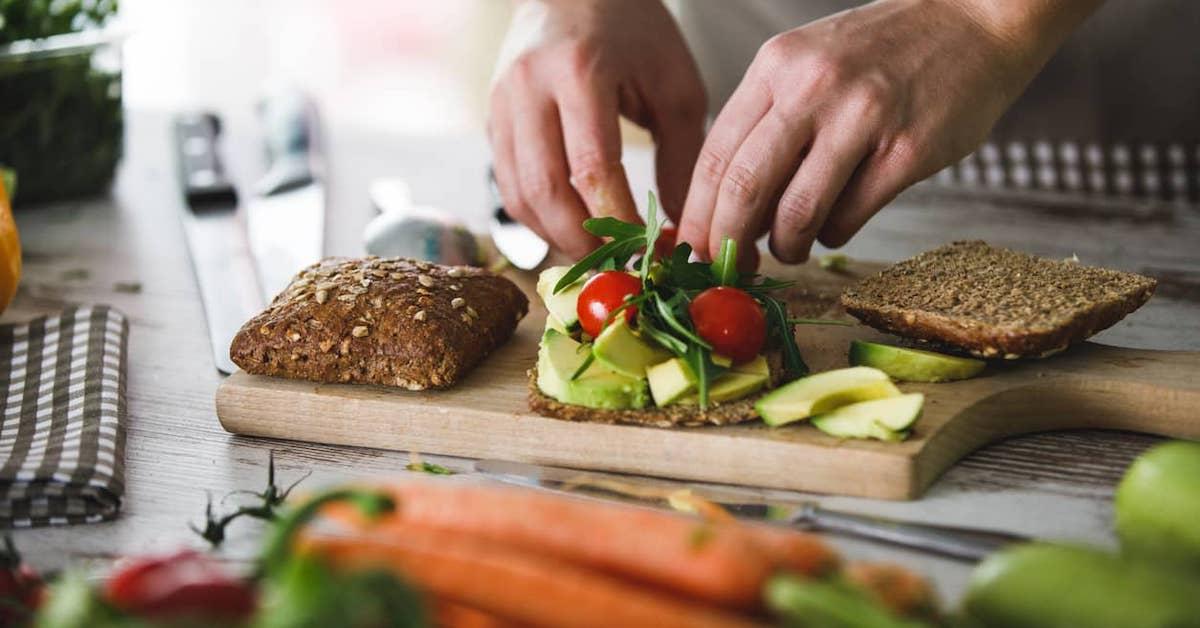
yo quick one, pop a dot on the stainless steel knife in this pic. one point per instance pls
(965, 544)
(285, 216)
(216, 237)
(516, 242)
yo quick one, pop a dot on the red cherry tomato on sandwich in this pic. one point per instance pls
(603, 294)
(731, 321)
(665, 244)
(185, 585)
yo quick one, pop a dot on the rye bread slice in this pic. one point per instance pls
(993, 302)
(676, 415)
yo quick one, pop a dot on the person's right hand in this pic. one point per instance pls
(567, 71)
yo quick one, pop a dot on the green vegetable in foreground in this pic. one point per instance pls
(833, 603)
(1063, 586)
(1157, 506)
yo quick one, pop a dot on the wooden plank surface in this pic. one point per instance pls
(128, 251)
(487, 415)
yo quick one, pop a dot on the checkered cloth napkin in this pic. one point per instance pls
(62, 445)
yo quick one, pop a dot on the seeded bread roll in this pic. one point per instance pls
(993, 302)
(387, 321)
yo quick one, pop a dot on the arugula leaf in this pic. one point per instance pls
(777, 323)
(609, 250)
(700, 361)
(664, 339)
(687, 275)
(609, 227)
(724, 268)
(666, 311)
(759, 284)
(591, 357)
(428, 467)
(652, 231)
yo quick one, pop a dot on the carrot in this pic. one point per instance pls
(900, 590)
(790, 550)
(515, 585)
(716, 562)
(451, 615)
(794, 551)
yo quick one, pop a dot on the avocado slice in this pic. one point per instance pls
(729, 386)
(913, 365)
(1157, 505)
(885, 419)
(822, 392)
(1050, 586)
(621, 350)
(560, 356)
(757, 366)
(670, 380)
(562, 305)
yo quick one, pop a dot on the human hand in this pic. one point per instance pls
(835, 118)
(568, 70)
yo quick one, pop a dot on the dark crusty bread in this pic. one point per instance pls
(388, 321)
(993, 302)
(675, 415)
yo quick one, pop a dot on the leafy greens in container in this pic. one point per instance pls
(60, 105)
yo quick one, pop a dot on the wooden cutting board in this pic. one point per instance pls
(486, 415)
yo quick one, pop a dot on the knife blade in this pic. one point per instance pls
(966, 544)
(516, 242)
(216, 238)
(285, 216)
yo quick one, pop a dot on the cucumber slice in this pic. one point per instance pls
(820, 393)
(913, 365)
(886, 419)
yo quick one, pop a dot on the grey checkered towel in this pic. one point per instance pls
(62, 444)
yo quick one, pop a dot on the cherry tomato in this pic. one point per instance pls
(186, 584)
(665, 244)
(601, 295)
(21, 590)
(731, 321)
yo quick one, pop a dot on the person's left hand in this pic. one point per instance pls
(835, 118)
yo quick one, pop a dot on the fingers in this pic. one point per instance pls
(760, 167)
(542, 174)
(592, 139)
(878, 180)
(806, 202)
(748, 104)
(678, 136)
(504, 164)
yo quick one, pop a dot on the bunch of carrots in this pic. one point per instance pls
(494, 557)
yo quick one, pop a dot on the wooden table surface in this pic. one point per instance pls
(128, 251)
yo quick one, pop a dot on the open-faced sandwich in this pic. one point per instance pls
(667, 342)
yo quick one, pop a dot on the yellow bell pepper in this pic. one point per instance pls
(10, 251)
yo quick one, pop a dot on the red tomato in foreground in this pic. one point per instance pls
(21, 592)
(186, 584)
(731, 321)
(603, 294)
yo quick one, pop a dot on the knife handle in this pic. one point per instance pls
(960, 543)
(288, 119)
(202, 175)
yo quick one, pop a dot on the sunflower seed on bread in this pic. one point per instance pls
(994, 302)
(386, 321)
